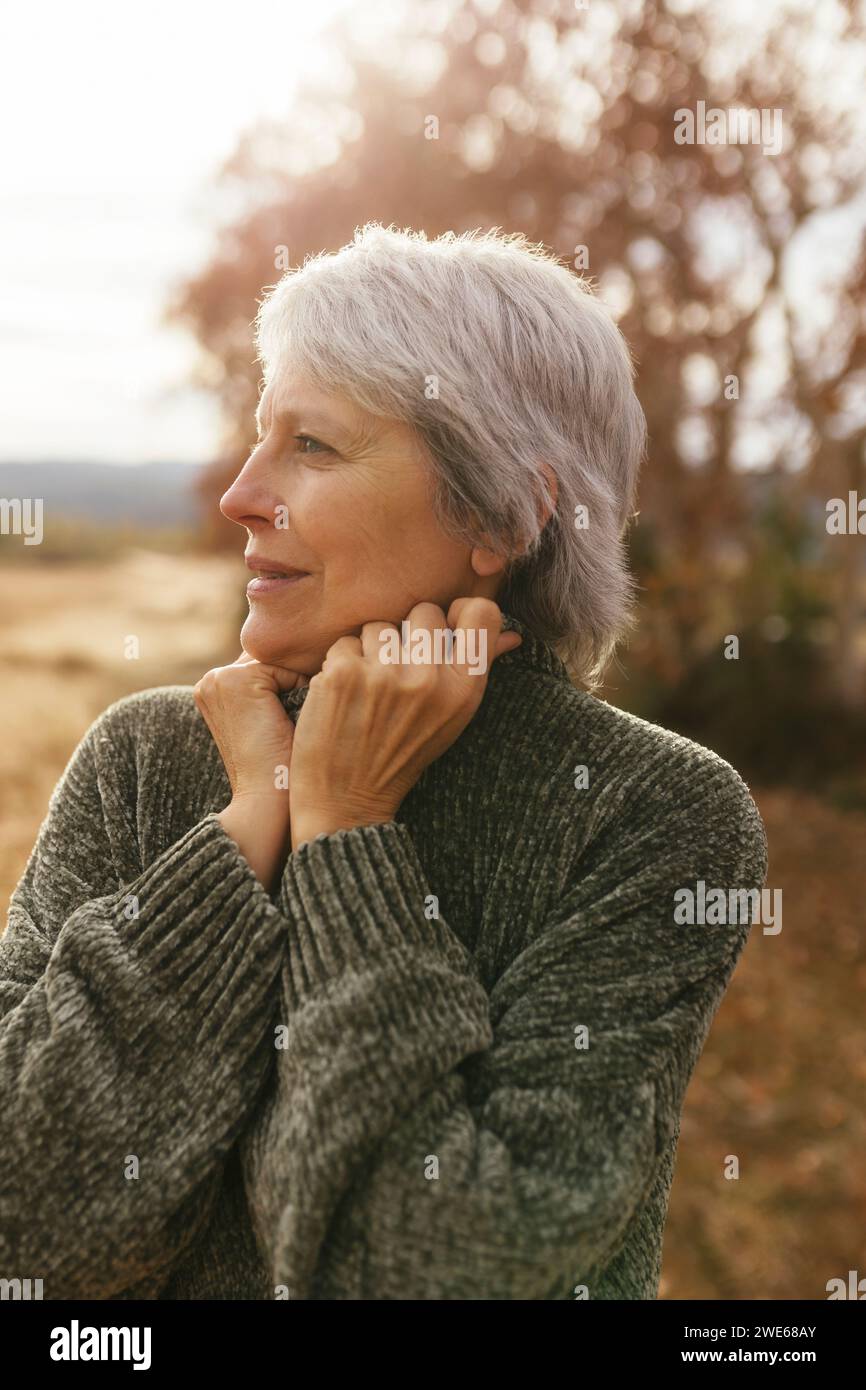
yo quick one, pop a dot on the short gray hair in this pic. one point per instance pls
(502, 360)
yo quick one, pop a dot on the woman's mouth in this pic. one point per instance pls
(265, 583)
(271, 579)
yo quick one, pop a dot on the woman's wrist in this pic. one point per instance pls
(307, 826)
(260, 825)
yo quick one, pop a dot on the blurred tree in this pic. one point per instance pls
(737, 274)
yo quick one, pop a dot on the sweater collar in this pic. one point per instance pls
(533, 653)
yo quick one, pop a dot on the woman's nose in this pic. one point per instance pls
(250, 501)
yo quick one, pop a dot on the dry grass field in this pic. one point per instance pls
(63, 643)
(782, 1078)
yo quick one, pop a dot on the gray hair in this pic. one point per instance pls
(504, 362)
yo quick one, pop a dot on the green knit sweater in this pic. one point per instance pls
(445, 1059)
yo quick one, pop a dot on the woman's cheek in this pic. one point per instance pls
(329, 508)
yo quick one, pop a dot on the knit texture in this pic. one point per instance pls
(373, 1083)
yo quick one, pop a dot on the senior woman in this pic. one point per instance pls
(355, 971)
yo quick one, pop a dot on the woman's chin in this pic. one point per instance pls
(263, 644)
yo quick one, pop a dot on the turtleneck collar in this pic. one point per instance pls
(532, 652)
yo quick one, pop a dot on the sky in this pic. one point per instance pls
(115, 119)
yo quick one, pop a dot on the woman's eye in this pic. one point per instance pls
(318, 446)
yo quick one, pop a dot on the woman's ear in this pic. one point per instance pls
(487, 561)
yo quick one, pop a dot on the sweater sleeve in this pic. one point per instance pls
(134, 1016)
(428, 1140)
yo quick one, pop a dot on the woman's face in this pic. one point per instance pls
(341, 498)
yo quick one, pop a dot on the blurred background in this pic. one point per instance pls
(160, 168)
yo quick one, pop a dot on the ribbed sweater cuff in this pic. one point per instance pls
(204, 927)
(356, 895)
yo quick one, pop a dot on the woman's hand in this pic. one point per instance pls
(240, 705)
(369, 728)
